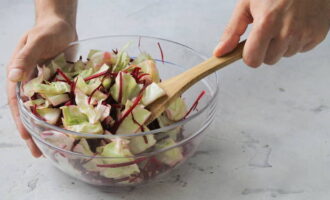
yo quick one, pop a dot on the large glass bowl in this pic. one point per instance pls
(176, 59)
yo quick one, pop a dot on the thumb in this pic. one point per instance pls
(24, 61)
(238, 23)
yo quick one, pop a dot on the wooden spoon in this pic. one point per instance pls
(175, 86)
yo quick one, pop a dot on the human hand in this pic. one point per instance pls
(280, 28)
(45, 40)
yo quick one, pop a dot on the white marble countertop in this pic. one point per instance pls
(270, 138)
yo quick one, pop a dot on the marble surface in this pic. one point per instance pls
(270, 138)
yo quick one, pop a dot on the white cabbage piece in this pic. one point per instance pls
(75, 120)
(91, 164)
(41, 103)
(97, 58)
(152, 93)
(139, 144)
(149, 67)
(122, 59)
(52, 88)
(119, 151)
(58, 139)
(129, 125)
(163, 121)
(29, 88)
(57, 99)
(87, 88)
(94, 114)
(129, 88)
(86, 127)
(176, 110)
(51, 115)
(142, 57)
(170, 157)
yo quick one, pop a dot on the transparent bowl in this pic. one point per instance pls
(176, 59)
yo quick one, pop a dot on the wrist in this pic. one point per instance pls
(54, 19)
(56, 10)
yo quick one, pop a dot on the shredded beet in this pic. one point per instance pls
(59, 71)
(122, 164)
(116, 105)
(195, 104)
(115, 51)
(161, 52)
(139, 44)
(96, 75)
(141, 127)
(140, 76)
(68, 103)
(120, 93)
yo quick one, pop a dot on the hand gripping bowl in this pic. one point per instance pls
(174, 59)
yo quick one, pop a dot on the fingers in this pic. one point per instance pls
(257, 43)
(24, 60)
(33, 148)
(236, 27)
(276, 49)
(12, 101)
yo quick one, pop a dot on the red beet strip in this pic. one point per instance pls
(120, 95)
(194, 105)
(141, 127)
(122, 164)
(139, 44)
(142, 75)
(161, 52)
(58, 70)
(97, 75)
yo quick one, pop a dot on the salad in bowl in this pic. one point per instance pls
(89, 117)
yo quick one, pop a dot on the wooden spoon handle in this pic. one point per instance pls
(180, 83)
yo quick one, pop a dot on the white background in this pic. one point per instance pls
(270, 138)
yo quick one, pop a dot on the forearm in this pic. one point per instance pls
(62, 9)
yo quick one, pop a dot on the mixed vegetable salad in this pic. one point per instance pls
(107, 94)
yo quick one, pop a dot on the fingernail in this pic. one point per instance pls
(15, 75)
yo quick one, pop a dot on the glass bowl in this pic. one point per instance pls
(174, 59)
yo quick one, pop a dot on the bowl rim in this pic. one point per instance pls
(99, 136)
